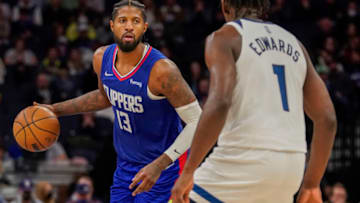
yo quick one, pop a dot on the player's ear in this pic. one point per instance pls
(225, 7)
(146, 26)
(112, 25)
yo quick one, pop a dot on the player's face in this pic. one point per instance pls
(128, 28)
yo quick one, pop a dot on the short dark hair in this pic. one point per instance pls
(244, 7)
(133, 3)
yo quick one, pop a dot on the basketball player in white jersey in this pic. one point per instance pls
(262, 81)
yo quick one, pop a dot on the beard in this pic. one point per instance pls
(127, 46)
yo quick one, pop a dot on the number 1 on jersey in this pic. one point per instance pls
(279, 71)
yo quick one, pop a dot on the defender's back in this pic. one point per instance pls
(267, 108)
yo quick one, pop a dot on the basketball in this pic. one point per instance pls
(36, 128)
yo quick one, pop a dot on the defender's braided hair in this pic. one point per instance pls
(247, 7)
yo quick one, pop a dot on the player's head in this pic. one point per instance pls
(128, 24)
(234, 9)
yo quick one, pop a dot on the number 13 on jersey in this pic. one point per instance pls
(279, 71)
(124, 121)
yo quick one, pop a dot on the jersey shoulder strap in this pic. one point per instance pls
(107, 58)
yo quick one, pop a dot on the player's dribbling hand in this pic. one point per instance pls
(50, 107)
(183, 186)
(148, 177)
(309, 195)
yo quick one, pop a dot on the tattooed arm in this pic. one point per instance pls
(91, 101)
(166, 80)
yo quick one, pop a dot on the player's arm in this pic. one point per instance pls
(166, 80)
(220, 59)
(91, 101)
(319, 108)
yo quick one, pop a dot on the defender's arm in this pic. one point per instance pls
(220, 59)
(320, 109)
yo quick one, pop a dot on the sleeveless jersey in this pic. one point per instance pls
(267, 108)
(143, 128)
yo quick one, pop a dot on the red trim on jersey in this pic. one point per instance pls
(182, 161)
(134, 70)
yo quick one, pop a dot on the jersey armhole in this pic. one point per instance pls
(104, 58)
(237, 25)
(152, 96)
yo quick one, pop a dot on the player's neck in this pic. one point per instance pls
(130, 59)
(253, 17)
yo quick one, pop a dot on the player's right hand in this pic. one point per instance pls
(48, 106)
(309, 195)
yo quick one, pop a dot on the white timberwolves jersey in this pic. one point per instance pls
(260, 153)
(267, 107)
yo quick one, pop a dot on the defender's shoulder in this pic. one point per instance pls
(224, 34)
(223, 39)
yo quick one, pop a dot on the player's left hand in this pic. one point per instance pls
(183, 186)
(148, 175)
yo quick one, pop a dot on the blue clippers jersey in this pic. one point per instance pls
(143, 128)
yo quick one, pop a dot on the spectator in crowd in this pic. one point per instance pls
(25, 192)
(352, 12)
(338, 194)
(5, 11)
(66, 85)
(53, 12)
(52, 63)
(75, 62)
(20, 55)
(27, 14)
(57, 154)
(44, 92)
(80, 26)
(44, 192)
(171, 11)
(84, 190)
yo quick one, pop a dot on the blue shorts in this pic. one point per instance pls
(159, 193)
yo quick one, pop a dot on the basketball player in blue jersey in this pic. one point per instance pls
(149, 98)
(261, 82)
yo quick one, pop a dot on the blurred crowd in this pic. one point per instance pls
(46, 49)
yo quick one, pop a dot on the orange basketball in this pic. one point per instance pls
(36, 128)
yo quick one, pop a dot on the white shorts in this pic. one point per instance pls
(255, 176)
